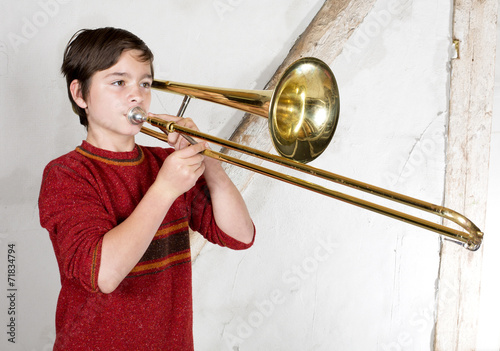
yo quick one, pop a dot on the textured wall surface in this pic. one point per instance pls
(322, 275)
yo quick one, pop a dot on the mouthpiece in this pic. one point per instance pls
(136, 115)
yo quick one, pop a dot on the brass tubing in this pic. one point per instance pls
(470, 239)
(302, 110)
(251, 101)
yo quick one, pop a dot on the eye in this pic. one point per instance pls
(119, 83)
(146, 85)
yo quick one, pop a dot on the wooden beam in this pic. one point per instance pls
(469, 130)
(324, 38)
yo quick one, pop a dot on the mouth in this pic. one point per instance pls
(136, 115)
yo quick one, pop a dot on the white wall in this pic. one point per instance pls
(322, 275)
(342, 278)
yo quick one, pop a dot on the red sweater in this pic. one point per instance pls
(84, 194)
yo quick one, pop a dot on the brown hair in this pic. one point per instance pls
(90, 51)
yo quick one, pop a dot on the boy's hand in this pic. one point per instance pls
(175, 139)
(181, 170)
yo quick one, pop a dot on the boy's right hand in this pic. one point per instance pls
(181, 170)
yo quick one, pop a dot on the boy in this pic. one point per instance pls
(118, 213)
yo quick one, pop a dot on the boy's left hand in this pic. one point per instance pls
(175, 139)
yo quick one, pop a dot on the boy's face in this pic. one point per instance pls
(113, 92)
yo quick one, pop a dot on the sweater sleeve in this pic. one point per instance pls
(202, 219)
(71, 210)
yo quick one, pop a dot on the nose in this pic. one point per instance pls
(136, 95)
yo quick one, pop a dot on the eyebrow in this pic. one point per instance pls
(125, 74)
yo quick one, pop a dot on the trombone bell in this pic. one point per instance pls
(302, 113)
(302, 110)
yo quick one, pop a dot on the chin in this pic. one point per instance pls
(133, 130)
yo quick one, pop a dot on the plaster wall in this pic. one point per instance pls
(322, 275)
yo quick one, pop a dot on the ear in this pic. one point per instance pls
(76, 92)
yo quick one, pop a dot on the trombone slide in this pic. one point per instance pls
(470, 238)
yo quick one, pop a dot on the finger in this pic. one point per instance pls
(173, 139)
(199, 171)
(181, 143)
(182, 121)
(192, 150)
(188, 123)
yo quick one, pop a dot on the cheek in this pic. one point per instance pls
(147, 101)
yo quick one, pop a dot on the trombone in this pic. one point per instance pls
(302, 113)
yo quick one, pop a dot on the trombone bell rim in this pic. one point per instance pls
(304, 110)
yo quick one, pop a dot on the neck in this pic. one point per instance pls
(120, 143)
